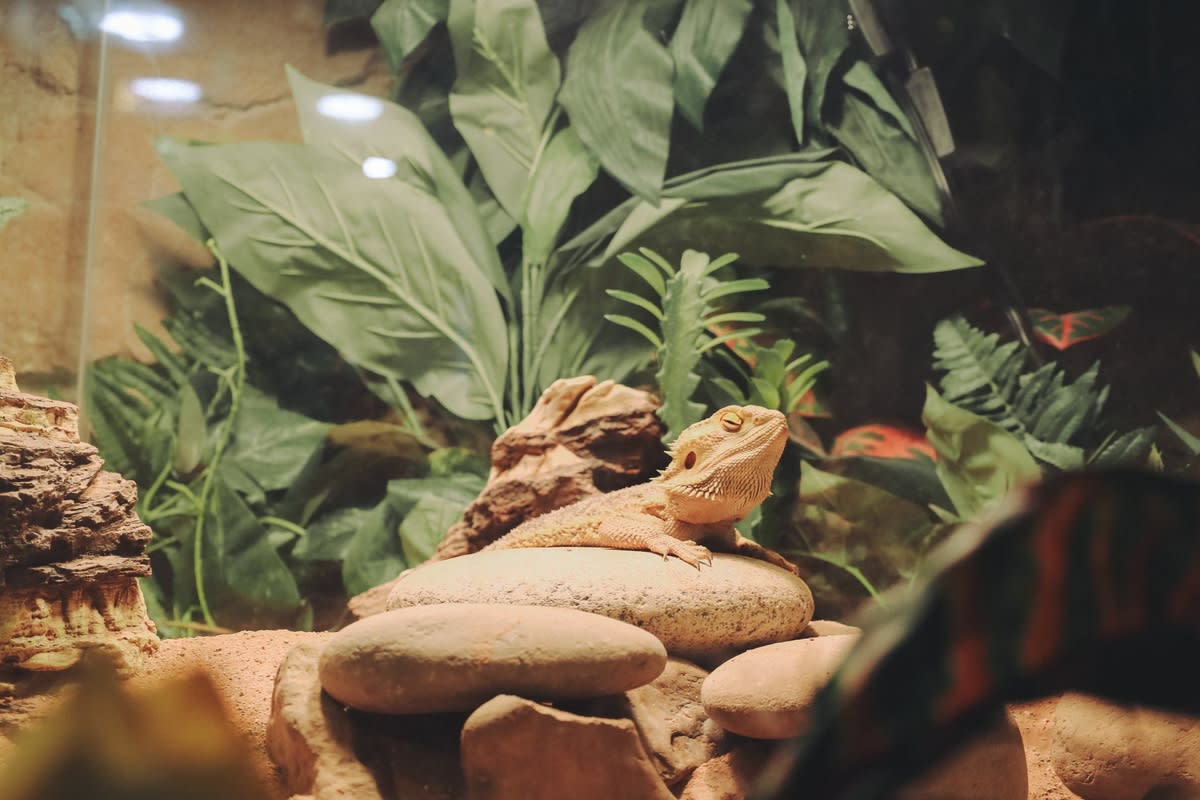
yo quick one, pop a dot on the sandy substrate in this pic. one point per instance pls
(243, 666)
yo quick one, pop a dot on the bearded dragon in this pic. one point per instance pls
(720, 469)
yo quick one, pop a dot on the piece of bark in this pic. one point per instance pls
(71, 544)
(582, 438)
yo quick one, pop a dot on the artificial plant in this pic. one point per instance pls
(995, 423)
(458, 244)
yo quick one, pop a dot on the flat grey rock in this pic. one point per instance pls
(768, 692)
(455, 657)
(698, 613)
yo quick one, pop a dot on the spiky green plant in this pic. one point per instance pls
(688, 308)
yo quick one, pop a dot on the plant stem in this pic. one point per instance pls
(410, 414)
(235, 381)
(284, 524)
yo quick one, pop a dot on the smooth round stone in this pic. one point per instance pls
(768, 692)
(734, 603)
(438, 658)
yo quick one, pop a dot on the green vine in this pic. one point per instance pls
(233, 379)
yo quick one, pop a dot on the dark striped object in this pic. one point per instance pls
(1087, 581)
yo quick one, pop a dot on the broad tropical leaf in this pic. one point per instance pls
(564, 170)
(865, 119)
(978, 461)
(795, 70)
(504, 90)
(374, 267)
(402, 25)
(835, 216)
(618, 93)
(399, 136)
(705, 38)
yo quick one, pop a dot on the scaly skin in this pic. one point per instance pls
(720, 469)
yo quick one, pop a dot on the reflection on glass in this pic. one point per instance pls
(165, 90)
(142, 26)
(377, 167)
(350, 107)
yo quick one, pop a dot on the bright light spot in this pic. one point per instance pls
(142, 26)
(350, 107)
(165, 90)
(376, 167)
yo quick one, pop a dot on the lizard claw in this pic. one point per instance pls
(689, 553)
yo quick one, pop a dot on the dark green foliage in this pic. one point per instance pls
(1059, 421)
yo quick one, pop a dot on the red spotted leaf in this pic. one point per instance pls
(1061, 331)
(882, 441)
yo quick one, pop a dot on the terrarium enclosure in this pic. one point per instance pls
(857, 329)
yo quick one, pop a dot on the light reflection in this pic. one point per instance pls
(165, 90)
(378, 167)
(142, 26)
(350, 107)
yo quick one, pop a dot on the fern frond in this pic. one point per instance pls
(1057, 420)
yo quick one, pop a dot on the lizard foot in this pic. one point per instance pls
(689, 553)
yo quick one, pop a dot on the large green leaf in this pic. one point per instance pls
(243, 575)
(564, 170)
(705, 38)
(11, 207)
(978, 461)
(272, 444)
(435, 505)
(866, 121)
(836, 216)
(176, 208)
(374, 267)
(875, 535)
(406, 526)
(504, 90)
(328, 537)
(733, 178)
(374, 554)
(402, 25)
(821, 29)
(795, 70)
(398, 135)
(618, 93)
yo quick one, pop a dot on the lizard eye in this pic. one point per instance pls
(731, 421)
(689, 460)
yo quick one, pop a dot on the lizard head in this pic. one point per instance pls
(721, 467)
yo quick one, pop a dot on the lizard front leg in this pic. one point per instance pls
(620, 530)
(728, 540)
(648, 532)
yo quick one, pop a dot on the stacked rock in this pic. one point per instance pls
(71, 544)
